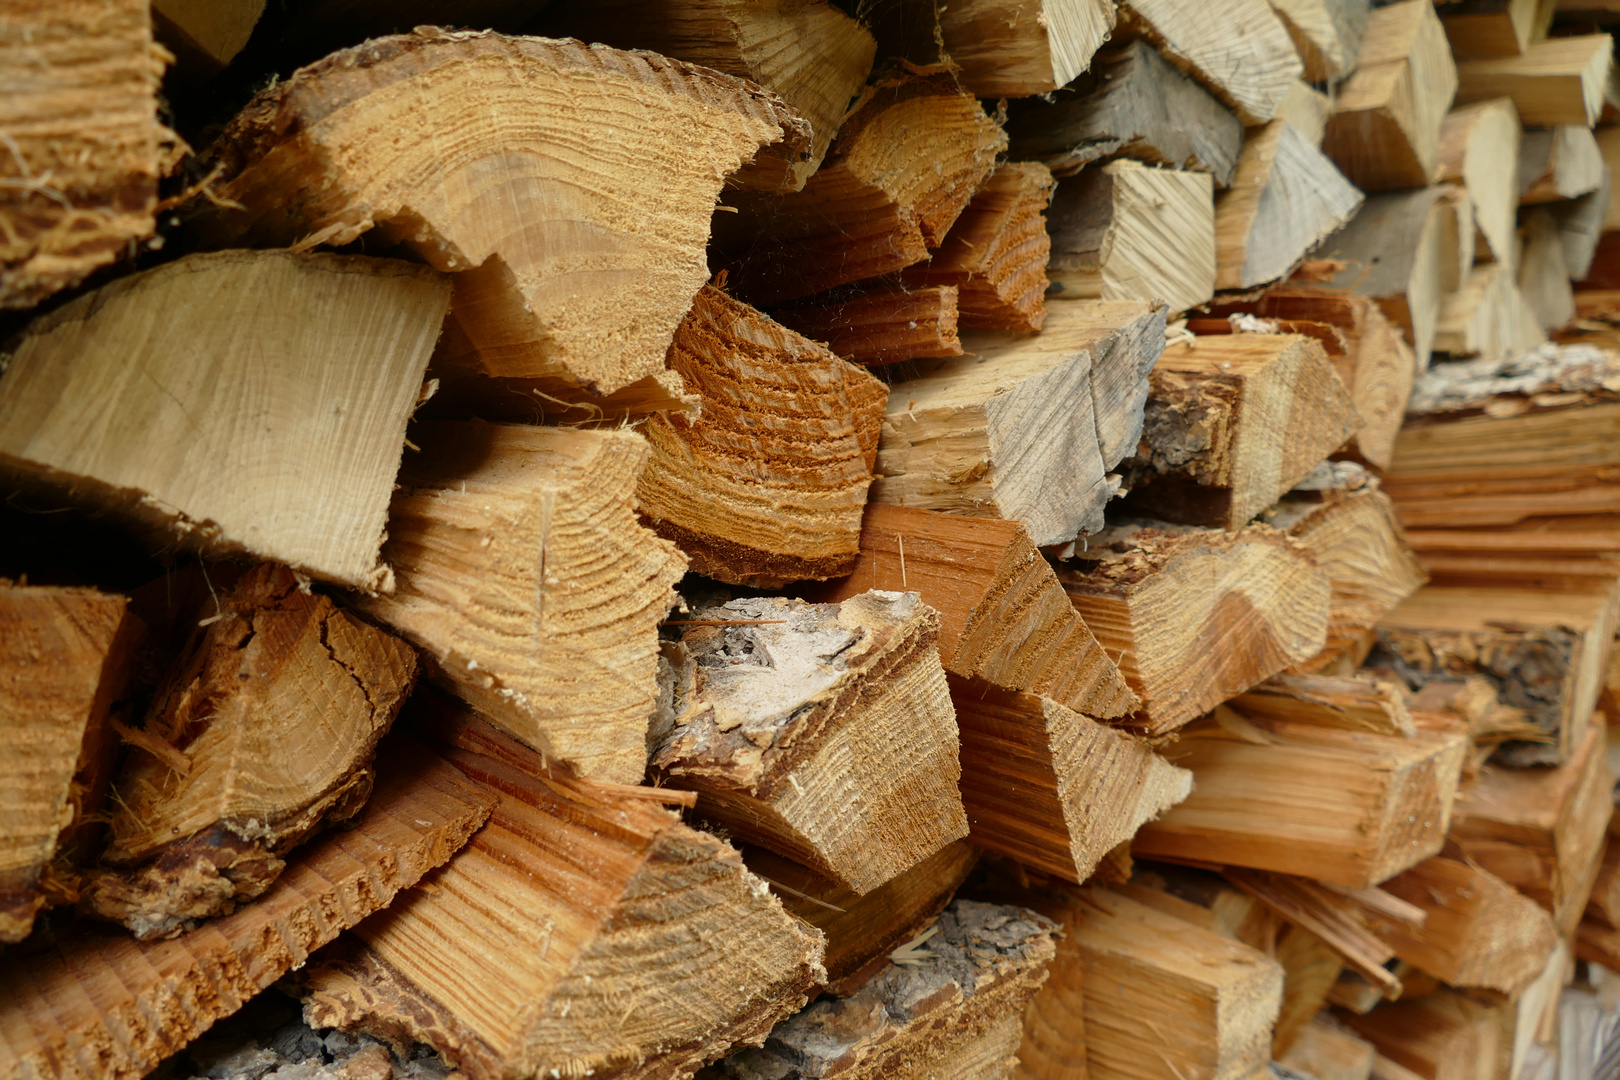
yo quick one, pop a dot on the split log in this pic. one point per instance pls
(1482, 29)
(203, 36)
(1547, 652)
(1123, 231)
(882, 325)
(98, 1004)
(1017, 48)
(1479, 144)
(1307, 110)
(1349, 703)
(500, 534)
(1581, 226)
(1541, 830)
(1488, 317)
(1477, 931)
(65, 658)
(950, 1006)
(1558, 163)
(582, 896)
(1326, 1051)
(587, 294)
(1439, 1036)
(291, 446)
(1195, 616)
(1051, 788)
(1349, 807)
(1233, 422)
(1328, 35)
(1604, 904)
(1461, 236)
(1385, 128)
(1242, 53)
(812, 56)
(263, 734)
(1132, 104)
(996, 253)
(823, 732)
(911, 153)
(1285, 198)
(1024, 428)
(81, 180)
(766, 484)
(1557, 81)
(1342, 518)
(1003, 616)
(1543, 276)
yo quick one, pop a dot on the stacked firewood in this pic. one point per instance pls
(775, 539)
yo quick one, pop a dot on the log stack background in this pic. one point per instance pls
(770, 538)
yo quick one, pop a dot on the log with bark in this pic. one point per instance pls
(1558, 81)
(1242, 52)
(1328, 35)
(1479, 146)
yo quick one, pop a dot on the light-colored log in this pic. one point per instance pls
(1482, 29)
(1558, 163)
(1241, 52)
(1488, 317)
(1440, 1036)
(1328, 35)
(1327, 1051)
(1479, 145)
(1558, 81)
(883, 325)
(1016, 48)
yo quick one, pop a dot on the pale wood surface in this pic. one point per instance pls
(1582, 225)
(1352, 703)
(1479, 146)
(1558, 163)
(1328, 35)
(1440, 1036)
(1544, 279)
(1328, 1052)
(1016, 48)
(882, 325)
(1557, 81)
(1307, 109)
(291, 377)
(1492, 28)
(1240, 51)
(1488, 317)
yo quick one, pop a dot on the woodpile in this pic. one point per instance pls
(809, 540)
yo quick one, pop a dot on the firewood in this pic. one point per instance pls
(1440, 1036)
(883, 325)
(1349, 703)
(203, 37)
(1582, 222)
(1206, 457)
(1285, 198)
(289, 447)
(1479, 145)
(1547, 652)
(1349, 525)
(524, 575)
(82, 173)
(576, 898)
(1003, 616)
(1195, 616)
(1482, 29)
(1460, 237)
(1051, 788)
(65, 660)
(1604, 903)
(823, 732)
(996, 253)
(1017, 48)
(1543, 274)
(1326, 1051)
(1557, 81)
(1488, 317)
(1249, 70)
(950, 1005)
(1328, 35)
(813, 56)
(862, 931)
(1558, 163)
(263, 734)
(1132, 104)
(139, 1002)
(1307, 110)
(1385, 128)
(766, 484)
(1540, 830)
(589, 291)
(1024, 428)
(1479, 932)
(1349, 807)
(1533, 1017)
(911, 153)
(1112, 228)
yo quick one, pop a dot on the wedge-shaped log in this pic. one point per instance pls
(1385, 128)
(1249, 69)
(88, 150)
(766, 483)
(1307, 109)
(1582, 225)
(97, 1004)
(1016, 48)
(1604, 903)
(1328, 1052)
(65, 659)
(1543, 274)
(996, 253)
(1024, 428)
(1123, 230)
(1349, 807)
(1051, 788)
(1558, 163)
(587, 291)
(1439, 1036)
(523, 573)
(1541, 830)
(1482, 29)
(264, 732)
(1328, 34)
(1487, 317)
(1003, 616)
(911, 153)
(292, 377)
(1350, 703)
(1558, 81)
(1234, 421)
(823, 732)
(882, 325)
(1478, 145)
(1197, 615)
(951, 1007)
(813, 56)
(1132, 104)
(581, 897)
(1478, 931)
